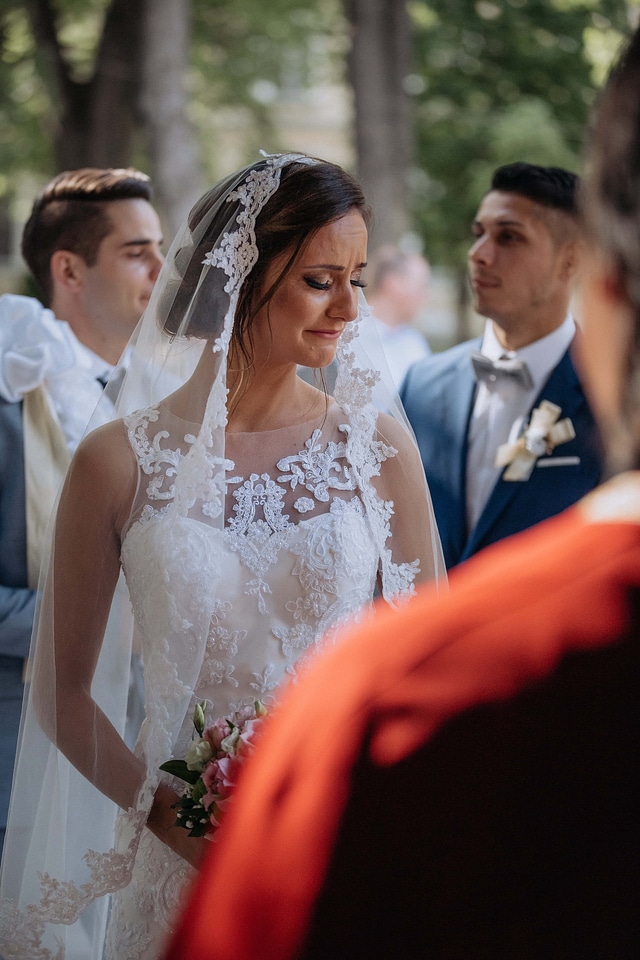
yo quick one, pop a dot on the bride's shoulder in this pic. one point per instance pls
(394, 432)
(106, 454)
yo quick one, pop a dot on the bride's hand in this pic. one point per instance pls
(161, 821)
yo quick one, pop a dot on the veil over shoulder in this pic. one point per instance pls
(166, 518)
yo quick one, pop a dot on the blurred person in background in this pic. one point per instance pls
(398, 292)
(468, 787)
(93, 246)
(505, 431)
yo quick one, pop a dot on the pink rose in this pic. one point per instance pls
(219, 777)
(228, 775)
(244, 714)
(216, 733)
(246, 741)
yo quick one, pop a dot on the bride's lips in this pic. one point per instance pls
(326, 334)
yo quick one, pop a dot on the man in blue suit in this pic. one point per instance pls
(504, 429)
(92, 244)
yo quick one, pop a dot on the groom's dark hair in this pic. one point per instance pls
(552, 187)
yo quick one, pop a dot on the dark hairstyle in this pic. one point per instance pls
(551, 187)
(611, 204)
(309, 197)
(70, 213)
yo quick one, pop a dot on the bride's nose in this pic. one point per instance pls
(345, 303)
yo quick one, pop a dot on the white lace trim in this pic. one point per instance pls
(22, 931)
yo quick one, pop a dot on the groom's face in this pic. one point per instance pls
(518, 265)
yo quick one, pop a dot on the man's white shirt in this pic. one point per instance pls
(38, 349)
(500, 409)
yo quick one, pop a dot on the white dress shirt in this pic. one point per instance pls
(501, 407)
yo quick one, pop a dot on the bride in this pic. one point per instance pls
(228, 521)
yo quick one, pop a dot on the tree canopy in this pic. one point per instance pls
(497, 82)
(490, 81)
(70, 72)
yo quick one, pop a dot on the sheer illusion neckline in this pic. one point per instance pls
(311, 423)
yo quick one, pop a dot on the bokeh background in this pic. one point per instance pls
(422, 100)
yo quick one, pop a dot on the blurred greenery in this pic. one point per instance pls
(491, 82)
(495, 83)
(247, 54)
(243, 54)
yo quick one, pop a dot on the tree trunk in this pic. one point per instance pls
(116, 85)
(96, 120)
(173, 148)
(379, 60)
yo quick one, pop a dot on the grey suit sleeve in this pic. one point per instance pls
(17, 608)
(17, 601)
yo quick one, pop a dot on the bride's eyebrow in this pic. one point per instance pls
(332, 266)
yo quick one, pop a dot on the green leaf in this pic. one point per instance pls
(198, 791)
(178, 768)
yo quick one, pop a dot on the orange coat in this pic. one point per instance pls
(511, 614)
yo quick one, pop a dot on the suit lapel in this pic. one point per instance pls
(455, 402)
(456, 399)
(562, 388)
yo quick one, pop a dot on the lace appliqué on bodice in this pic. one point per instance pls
(307, 562)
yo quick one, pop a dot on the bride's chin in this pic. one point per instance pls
(321, 358)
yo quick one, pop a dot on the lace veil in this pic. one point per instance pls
(62, 855)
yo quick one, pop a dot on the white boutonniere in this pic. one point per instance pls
(544, 432)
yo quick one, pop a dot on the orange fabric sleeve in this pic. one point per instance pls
(510, 615)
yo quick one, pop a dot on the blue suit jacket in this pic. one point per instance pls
(438, 395)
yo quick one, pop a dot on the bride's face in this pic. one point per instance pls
(317, 298)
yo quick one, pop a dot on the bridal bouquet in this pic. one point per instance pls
(212, 764)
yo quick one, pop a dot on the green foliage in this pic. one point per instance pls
(494, 81)
(497, 82)
(243, 54)
(247, 54)
(23, 99)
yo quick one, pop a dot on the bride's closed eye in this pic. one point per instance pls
(326, 284)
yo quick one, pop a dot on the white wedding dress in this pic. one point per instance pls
(295, 561)
(243, 553)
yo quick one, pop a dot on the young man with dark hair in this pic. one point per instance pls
(496, 460)
(93, 244)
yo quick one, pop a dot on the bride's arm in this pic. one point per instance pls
(84, 569)
(93, 509)
(414, 533)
